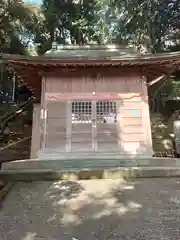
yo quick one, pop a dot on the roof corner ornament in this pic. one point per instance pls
(54, 46)
(54, 43)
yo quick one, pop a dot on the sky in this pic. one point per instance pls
(34, 1)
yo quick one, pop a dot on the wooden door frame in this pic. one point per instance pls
(68, 147)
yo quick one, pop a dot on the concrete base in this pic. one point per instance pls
(90, 155)
(85, 167)
(88, 163)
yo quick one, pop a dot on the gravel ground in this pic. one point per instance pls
(93, 209)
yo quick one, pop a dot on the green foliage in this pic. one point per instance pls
(151, 26)
(68, 23)
(16, 25)
(147, 24)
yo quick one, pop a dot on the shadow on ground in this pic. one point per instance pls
(89, 210)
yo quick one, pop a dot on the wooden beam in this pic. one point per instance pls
(156, 80)
(91, 96)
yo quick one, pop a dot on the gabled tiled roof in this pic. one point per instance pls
(106, 53)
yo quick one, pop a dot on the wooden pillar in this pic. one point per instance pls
(146, 121)
(35, 140)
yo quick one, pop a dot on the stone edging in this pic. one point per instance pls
(79, 174)
(5, 190)
(14, 143)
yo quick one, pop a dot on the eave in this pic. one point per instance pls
(31, 69)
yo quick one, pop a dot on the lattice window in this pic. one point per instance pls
(81, 112)
(106, 111)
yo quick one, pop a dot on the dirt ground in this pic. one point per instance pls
(92, 209)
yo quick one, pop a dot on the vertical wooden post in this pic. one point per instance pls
(94, 124)
(43, 115)
(69, 126)
(35, 139)
(146, 119)
(119, 125)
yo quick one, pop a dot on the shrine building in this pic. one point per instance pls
(92, 100)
